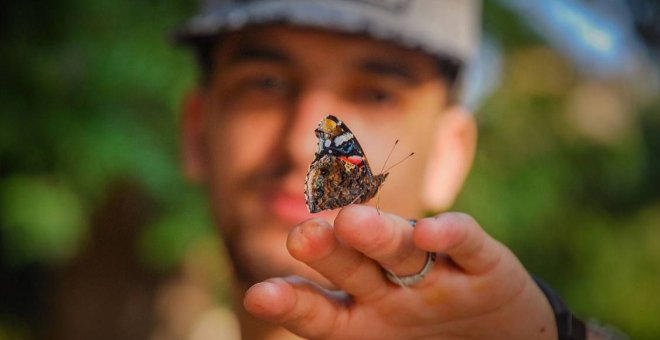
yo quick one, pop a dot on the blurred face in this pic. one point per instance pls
(269, 90)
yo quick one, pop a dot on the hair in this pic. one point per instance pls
(204, 54)
(450, 69)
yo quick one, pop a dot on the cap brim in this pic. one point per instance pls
(340, 16)
(299, 13)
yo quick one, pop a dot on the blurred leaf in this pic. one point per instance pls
(42, 220)
(166, 242)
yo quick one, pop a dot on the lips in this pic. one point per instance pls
(291, 208)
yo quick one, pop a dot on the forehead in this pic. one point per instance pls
(308, 43)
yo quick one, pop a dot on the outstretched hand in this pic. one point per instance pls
(476, 288)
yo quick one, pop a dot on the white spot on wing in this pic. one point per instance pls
(339, 140)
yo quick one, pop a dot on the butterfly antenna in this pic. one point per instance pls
(399, 162)
(383, 170)
(388, 156)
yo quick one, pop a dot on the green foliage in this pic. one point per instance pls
(41, 219)
(90, 96)
(165, 243)
(580, 212)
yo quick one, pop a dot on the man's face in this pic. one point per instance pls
(270, 88)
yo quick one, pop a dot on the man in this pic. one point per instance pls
(388, 69)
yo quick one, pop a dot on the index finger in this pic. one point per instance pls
(462, 239)
(386, 238)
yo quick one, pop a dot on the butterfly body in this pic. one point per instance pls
(339, 174)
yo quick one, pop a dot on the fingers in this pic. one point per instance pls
(462, 239)
(393, 244)
(301, 306)
(386, 238)
(314, 243)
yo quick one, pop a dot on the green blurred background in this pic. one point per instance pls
(101, 235)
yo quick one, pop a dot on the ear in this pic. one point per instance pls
(192, 137)
(450, 159)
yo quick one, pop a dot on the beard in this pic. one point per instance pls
(264, 255)
(260, 255)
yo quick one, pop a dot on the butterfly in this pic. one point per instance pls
(340, 174)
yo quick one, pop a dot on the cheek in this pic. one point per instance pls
(242, 143)
(403, 189)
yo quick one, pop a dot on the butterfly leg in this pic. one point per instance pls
(378, 202)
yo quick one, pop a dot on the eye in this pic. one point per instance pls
(267, 82)
(378, 96)
(255, 88)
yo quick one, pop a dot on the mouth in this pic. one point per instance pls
(292, 208)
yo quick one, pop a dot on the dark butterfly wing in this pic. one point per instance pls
(339, 174)
(335, 138)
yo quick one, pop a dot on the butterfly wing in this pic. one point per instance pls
(340, 174)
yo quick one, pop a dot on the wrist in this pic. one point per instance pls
(569, 327)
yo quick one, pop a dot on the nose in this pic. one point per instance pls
(308, 109)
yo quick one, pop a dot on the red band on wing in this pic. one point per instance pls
(357, 160)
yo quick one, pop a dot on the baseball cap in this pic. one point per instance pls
(444, 28)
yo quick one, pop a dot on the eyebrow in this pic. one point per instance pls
(388, 68)
(375, 66)
(258, 53)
